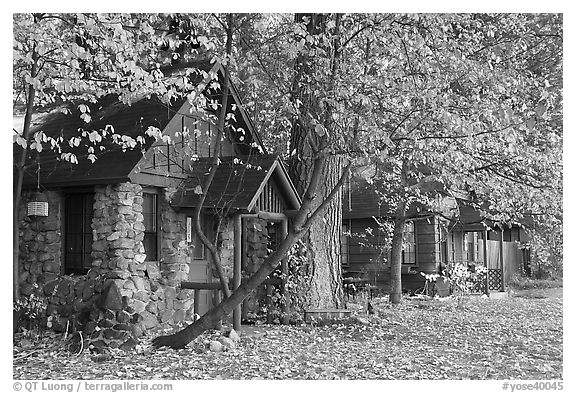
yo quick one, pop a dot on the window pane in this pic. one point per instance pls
(150, 246)
(409, 245)
(344, 245)
(149, 211)
(198, 252)
(78, 233)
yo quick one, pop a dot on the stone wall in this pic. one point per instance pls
(226, 245)
(256, 249)
(40, 244)
(178, 304)
(145, 294)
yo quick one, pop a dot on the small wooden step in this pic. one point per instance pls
(325, 314)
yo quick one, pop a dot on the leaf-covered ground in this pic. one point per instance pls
(512, 338)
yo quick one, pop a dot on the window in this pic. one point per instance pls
(409, 245)
(344, 246)
(150, 213)
(78, 213)
(471, 246)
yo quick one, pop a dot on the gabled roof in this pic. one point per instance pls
(114, 165)
(238, 183)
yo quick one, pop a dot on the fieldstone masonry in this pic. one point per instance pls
(122, 295)
(40, 244)
(256, 251)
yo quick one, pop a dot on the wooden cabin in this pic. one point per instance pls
(117, 242)
(431, 242)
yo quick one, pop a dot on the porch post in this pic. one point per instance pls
(236, 314)
(284, 267)
(487, 288)
(502, 268)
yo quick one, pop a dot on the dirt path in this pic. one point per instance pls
(552, 293)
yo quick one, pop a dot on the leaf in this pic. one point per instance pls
(541, 108)
(320, 130)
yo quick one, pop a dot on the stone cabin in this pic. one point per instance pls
(118, 241)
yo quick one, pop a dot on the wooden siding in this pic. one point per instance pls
(270, 200)
(191, 134)
(427, 244)
(365, 253)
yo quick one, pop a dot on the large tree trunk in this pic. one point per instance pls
(212, 248)
(207, 321)
(19, 179)
(396, 255)
(302, 223)
(322, 242)
(324, 289)
(397, 241)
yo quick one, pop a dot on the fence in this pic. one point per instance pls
(498, 272)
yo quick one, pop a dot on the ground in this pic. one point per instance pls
(517, 337)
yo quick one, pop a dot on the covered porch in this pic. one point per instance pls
(248, 205)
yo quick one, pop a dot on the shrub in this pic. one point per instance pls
(522, 282)
(30, 312)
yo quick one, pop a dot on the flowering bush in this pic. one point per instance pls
(463, 280)
(30, 310)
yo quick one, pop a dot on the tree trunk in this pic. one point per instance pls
(322, 242)
(207, 321)
(18, 181)
(304, 219)
(396, 255)
(212, 248)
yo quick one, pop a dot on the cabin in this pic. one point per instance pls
(502, 253)
(432, 242)
(109, 241)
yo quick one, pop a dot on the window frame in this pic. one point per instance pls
(85, 231)
(157, 230)
(413, 242)
(345, 244)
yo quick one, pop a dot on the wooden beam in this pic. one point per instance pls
(487, 289)
(290, 213)
(196, 301)
(270, 216)
(200, 285)
(237, 313)
(284, 267)
(502, 266)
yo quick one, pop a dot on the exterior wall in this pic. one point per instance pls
(255, 249)
(122, 295)
(367, 260)
(365, 249)
(427, 244)
(40, 244)
(226, 239)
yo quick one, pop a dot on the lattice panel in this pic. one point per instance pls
(494, 281)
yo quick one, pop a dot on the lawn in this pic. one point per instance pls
(511, 338)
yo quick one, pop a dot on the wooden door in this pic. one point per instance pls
(200, 266)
